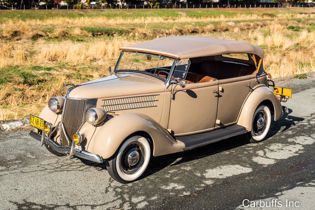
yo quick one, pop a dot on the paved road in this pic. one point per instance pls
(226, 175)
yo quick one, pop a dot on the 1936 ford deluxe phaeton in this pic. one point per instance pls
(165, 96)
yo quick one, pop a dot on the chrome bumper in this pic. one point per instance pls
(285, 111)
(66, 150)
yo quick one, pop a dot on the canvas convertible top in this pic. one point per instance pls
(182, 47)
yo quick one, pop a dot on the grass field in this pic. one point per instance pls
(42, 50)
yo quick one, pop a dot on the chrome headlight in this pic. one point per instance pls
(95, 116)
(55, 104)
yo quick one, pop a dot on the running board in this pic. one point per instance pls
(201, 139)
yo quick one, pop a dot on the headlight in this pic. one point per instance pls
(95, 116)
(55, 104)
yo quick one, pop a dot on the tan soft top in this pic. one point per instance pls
(182, 47)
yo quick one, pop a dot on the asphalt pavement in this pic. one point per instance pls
(278, 173)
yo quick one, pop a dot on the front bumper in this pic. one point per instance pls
(66, 150)
(285, 111)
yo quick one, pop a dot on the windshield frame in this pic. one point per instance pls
(166, 81)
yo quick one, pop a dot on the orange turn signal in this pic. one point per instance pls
(76, 138)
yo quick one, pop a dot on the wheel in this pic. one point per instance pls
(261, 123)
(131, 160)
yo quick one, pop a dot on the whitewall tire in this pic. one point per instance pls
(261, 123)
(131, 160)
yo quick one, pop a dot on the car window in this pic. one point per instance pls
(219, 67)
(155, 65)
(181, 69)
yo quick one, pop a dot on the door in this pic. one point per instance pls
(233, 93)
(193, 108)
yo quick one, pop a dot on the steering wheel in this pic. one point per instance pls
(160, 73)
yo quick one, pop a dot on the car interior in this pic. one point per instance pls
(207, 69)
(217, 68)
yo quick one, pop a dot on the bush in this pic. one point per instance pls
(101, 31)
(294, 28)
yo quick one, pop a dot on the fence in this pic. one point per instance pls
(161, 6)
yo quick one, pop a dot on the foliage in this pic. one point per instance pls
(79, 4)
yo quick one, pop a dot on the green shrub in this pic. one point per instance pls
(42, 68)
(301, 76)
(269, 15)
(294, 28)
(4, 81)
(101, 31)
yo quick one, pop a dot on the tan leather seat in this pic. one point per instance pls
(206, 79)
(197, 78)
(193, 77)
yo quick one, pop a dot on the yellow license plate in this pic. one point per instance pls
(281, 91)
(37, 122)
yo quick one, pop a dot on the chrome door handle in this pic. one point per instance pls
(221, 89)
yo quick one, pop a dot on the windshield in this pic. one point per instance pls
(154, 65)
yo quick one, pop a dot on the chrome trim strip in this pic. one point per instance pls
(64, 105)
(128, 108)
(130, 99)
(118, 61)
(65, 133)
(54, 130)
(168, 81)
(126, 103)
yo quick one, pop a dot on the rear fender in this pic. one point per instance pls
(108, 138)
(259, 95)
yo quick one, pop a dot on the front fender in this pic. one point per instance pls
(259, 95)
(50, 116)
(108, 138)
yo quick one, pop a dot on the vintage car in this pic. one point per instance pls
(165, 96)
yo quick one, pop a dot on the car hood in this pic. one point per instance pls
(122, 84)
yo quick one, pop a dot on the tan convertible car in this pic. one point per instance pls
(165, 96)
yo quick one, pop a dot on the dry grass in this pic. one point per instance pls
(77, 53)
(38, 56)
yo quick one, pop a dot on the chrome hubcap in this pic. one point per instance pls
(133, 157)
(261, 122)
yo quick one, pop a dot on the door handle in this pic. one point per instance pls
(219, 91)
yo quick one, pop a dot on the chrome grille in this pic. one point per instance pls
(73, 114)
(135, 102)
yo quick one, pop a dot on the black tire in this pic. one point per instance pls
(261, 124)
(131, 160)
